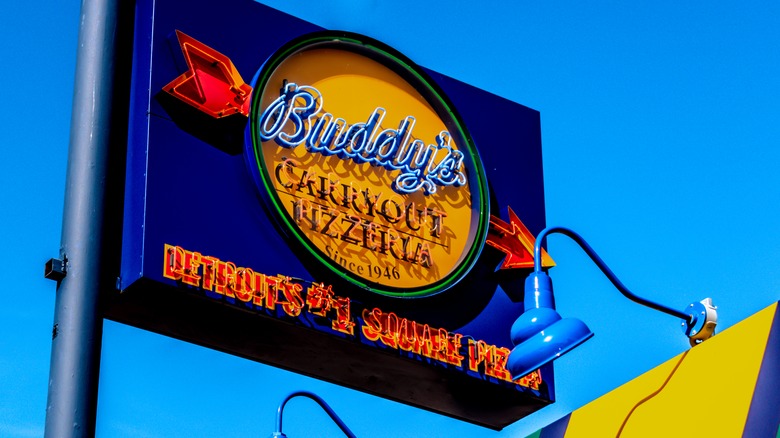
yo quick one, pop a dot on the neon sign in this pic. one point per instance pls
(422, 166)
(286, 298)
(340, 209)
(365, 164)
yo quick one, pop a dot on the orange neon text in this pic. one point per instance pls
(493, 361)
(246, 285)
(386, 328)
(403, 334)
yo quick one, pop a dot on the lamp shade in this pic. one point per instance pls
(540, 334)
(532, 322)
(546, 345)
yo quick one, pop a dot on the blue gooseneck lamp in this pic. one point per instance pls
(540, 335)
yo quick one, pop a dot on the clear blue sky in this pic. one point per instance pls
(661, 146)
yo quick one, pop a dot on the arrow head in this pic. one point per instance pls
(212, 83)
(516, 241)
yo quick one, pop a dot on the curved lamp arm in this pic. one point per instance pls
(604, 268)
(320, 402)
(540, 335)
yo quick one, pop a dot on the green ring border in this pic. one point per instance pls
(431, 90)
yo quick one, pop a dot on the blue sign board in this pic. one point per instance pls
(314, 200)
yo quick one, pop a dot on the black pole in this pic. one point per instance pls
(78, 324)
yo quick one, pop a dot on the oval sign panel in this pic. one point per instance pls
(365, 164)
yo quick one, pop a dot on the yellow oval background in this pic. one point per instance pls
(348, 210)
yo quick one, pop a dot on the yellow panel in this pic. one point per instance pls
(705, 391)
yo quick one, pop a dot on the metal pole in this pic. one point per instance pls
(78, 325)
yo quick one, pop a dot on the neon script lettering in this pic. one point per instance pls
(296, 117)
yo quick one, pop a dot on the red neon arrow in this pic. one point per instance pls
(212, 84)
(516, 241)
